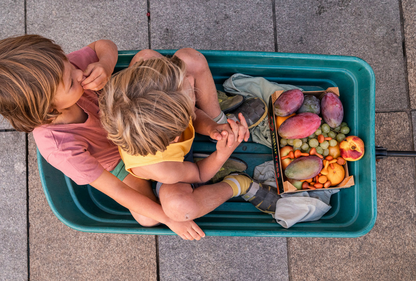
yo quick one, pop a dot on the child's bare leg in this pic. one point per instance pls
(199, 74)
(182, 203)
(144, 55)
(143, 187)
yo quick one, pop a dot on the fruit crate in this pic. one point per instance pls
(354, 209)
(284, 186)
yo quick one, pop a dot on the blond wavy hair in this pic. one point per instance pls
(145, 106)
(31, 68)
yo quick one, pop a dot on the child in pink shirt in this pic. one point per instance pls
(56, 97)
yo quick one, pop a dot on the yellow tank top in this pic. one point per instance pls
(174, 152)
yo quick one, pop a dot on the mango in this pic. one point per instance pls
(304, 168)
(332, 109)
(299, 126)
(288, 102)
(310, 104)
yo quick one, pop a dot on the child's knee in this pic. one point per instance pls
(194, 60)
(180, 208)
(144, 54)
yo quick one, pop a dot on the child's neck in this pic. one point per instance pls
(72, 115)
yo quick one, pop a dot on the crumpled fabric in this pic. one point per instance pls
(297, 207)
(248, 86)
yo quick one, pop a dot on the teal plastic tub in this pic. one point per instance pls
(354, 209)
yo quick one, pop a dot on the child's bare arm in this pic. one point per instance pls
(97, 74)
(173, 172)
(204, 125)
(138, 203)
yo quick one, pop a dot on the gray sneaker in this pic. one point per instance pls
(262, 196)
(232, 165)
(229, 103)
(254, 111)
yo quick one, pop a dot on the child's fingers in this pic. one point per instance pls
(96, 84)
(223, 141)
(216, 136)
(93, 77)
(243, 122)
(235, 128)
(89, 69)
(247, 135)
(242, 133)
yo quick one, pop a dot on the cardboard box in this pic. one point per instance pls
(283, 185)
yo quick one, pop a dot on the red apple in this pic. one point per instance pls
(352, 148)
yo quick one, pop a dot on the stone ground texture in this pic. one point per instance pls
(35, 245)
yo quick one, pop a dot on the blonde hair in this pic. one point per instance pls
(31, 68)
(145, 107)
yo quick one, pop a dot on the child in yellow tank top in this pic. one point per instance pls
(175, 152)
(149, 111)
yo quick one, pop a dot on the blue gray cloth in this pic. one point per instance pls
(248, 86)
(294, 207)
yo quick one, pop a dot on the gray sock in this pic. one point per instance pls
(221, 119)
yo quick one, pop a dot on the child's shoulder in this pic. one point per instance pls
(82, 57)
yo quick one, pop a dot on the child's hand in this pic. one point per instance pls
(96, 77)
(232, 132)
(187, 230)
(240, 132)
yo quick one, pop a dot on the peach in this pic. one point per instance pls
(286, 162)
(284, 151)
(352, 148)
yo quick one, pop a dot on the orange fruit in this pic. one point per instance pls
(280, 120)
(334, 151)
(336, 174)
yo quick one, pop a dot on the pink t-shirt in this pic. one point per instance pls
(81, 151)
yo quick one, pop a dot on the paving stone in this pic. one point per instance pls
(13, 211)
(74, 24)
(409, 23)
(212, 25)
(414, 129)
(58, 252)
(367, 29)
(12, 22)
(223, 258)
(4, 124)
(12, 18)
(393, 131)
(387, 252)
